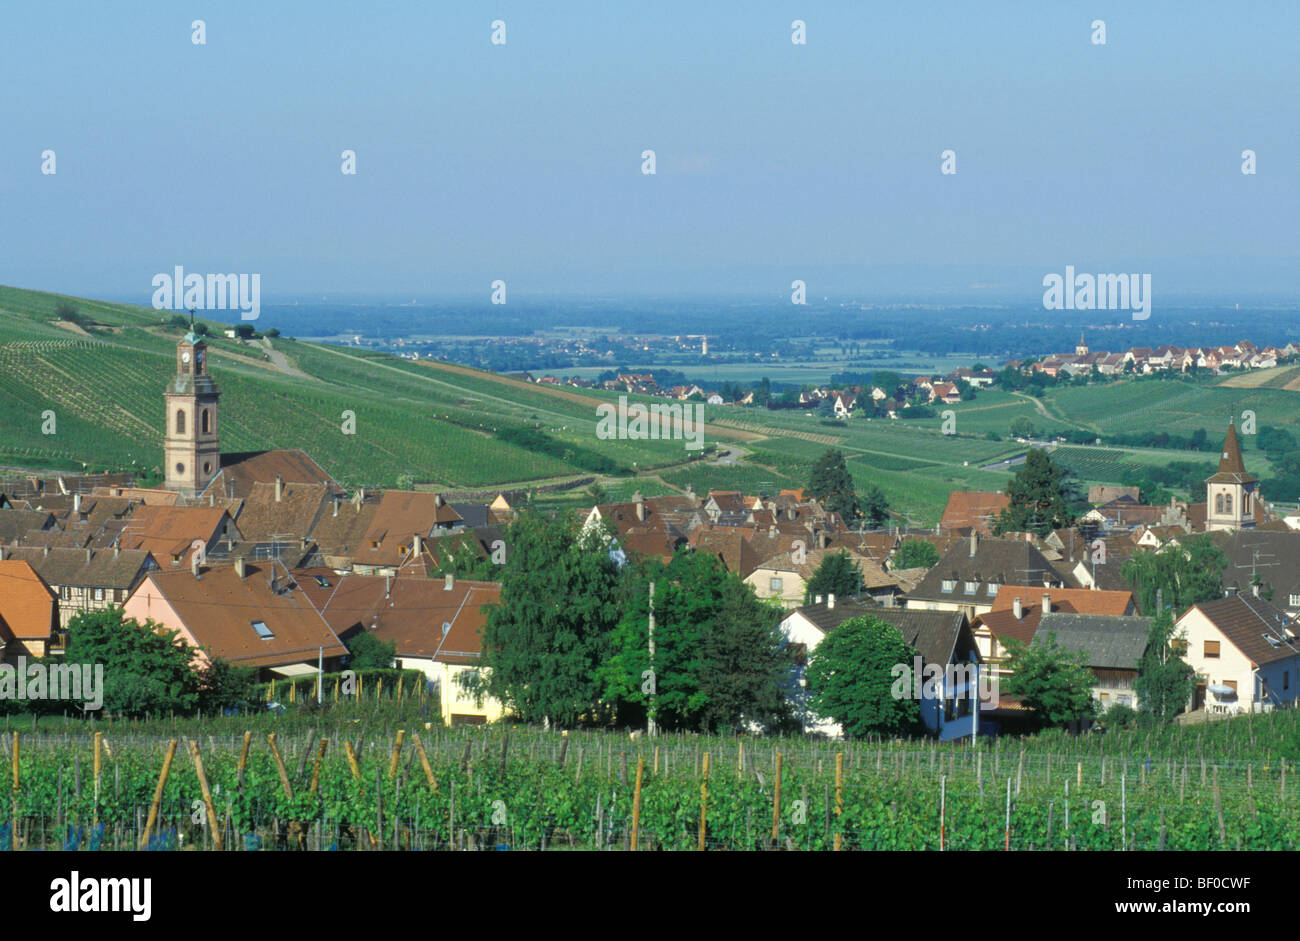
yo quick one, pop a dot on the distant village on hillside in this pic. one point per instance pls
(948, 390)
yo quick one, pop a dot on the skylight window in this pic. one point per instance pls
(263, 631)
(322, 581)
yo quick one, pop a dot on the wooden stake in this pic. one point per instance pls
(157, 794)
(397, 751)
(315, 771)
(424, 761)
(839, 794)
(213, 826)
(776, 801)
(636, 801)
(279, 765)
(943, 795)
(99, 741)
(1006, 844)
(704, 798)
(13, 831)
(352, 759)
(243, 759)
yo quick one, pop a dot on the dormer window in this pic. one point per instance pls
(970, 588)
(949, 585)
(374, 544)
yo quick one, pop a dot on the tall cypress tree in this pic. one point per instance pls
(1039, 502)
(831, 484)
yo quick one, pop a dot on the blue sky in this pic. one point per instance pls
(522, 161)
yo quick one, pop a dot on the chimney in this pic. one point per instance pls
(449, 582)
(974, 542)
(88, 562)
(2, 552)
(1047, 603)
(194, 563)
(279, 488)
(1017, 608)
(240, 569)
(388, 586)
(416, 547)
(438, 500)
(45, 550)
(212, 498)
(640, 505)
(336, 506)
(1254, 586)
(117, 550)
(76, 503)
(830, 601)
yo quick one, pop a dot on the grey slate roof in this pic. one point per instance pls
(15, 524)
(1273, 555)
(996, 561)
(935, 635)
(85, 568)
(1111, 642)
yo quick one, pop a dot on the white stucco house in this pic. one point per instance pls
(941, 638)
(1245, 652)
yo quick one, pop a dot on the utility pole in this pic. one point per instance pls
(650, 713)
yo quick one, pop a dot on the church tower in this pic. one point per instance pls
(192, 453)
(1082, 348)
(1230, 494)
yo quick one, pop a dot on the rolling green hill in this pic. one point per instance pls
(440, 424)
(449, 426)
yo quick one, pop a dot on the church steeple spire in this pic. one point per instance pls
(1230, 461)
(1231, 492)
(192, 451)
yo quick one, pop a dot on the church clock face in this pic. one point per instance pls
(185, 357)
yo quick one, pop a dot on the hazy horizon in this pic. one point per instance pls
(775, 161)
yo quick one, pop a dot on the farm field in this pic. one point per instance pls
(1227, 785)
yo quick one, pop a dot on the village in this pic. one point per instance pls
(264, 561)
(926, 390)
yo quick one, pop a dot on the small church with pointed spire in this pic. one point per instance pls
(1082, 348)
(1231, 493)
(192, 451)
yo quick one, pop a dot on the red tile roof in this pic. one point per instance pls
(28, 609)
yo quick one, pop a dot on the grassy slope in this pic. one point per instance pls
(435, 421)
(105, 392)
